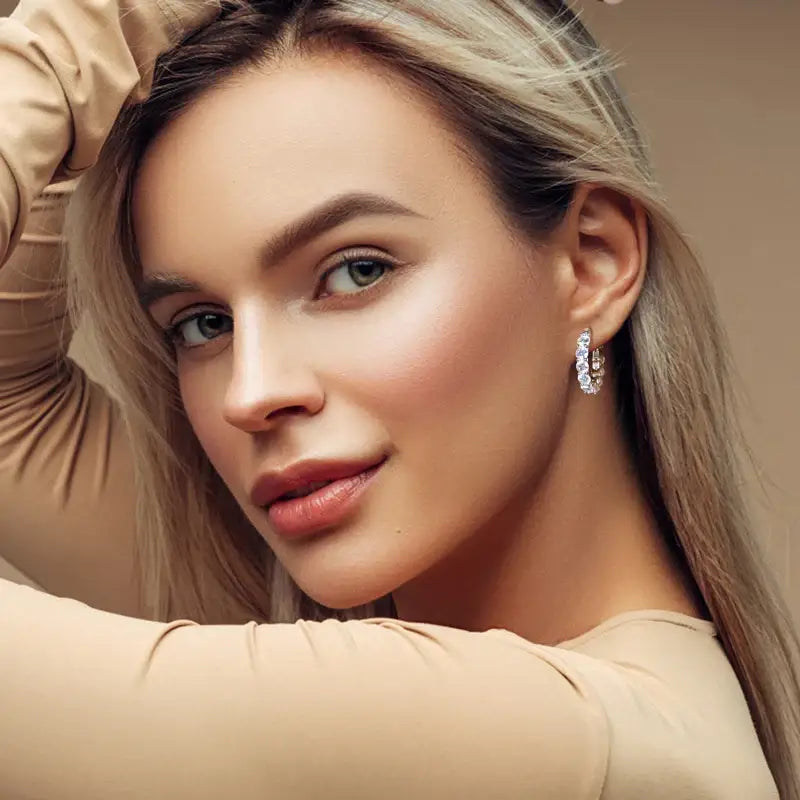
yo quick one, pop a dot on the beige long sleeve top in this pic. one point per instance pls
(97, 705)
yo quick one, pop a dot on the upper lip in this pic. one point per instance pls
(272, 485)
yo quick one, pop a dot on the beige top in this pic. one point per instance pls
(99, 705)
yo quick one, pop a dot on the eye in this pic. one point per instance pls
(199, 329)
(354, 274)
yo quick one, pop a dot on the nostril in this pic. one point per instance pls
(288, 410)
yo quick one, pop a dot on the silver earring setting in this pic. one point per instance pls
(590, 379)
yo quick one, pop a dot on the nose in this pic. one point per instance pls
(269, 380)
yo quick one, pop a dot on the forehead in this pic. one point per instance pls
(258, 151)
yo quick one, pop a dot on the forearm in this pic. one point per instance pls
(34, 329)
(98, 707)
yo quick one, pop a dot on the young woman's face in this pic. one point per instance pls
(410, 328)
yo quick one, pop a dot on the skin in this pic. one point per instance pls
(508, 499)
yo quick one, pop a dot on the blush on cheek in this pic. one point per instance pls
(443, 344)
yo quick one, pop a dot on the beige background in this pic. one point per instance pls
(717, 85)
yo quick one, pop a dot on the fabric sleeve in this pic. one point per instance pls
(66, 489)
(66, 69)
(99, 707)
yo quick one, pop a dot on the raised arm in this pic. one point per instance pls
(66, 481)
(66, 69)
(100, 707)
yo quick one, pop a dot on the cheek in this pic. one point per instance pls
(470, 385)
(202, 387)
(451, 344)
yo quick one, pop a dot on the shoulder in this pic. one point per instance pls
(678, 719)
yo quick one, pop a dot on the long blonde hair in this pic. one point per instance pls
(537, 107)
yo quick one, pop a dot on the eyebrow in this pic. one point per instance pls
(324, 217)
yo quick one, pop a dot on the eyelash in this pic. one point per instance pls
(173, 333)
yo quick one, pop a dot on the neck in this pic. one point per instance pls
(581, 547)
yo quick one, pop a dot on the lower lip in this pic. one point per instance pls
(326, 507)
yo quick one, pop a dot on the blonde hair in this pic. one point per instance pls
(537, 107)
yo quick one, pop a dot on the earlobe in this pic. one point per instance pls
(607, 241)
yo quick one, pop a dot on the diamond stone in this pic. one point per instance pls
(582, 352)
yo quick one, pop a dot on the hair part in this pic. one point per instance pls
(534, 101)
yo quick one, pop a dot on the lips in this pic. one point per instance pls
(303, 477)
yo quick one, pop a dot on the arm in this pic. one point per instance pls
(64, 456)
(66, 69)
(100, 707)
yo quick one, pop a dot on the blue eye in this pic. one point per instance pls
(199, 329)
(354, 275)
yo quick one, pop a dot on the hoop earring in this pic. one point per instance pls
(589, 381)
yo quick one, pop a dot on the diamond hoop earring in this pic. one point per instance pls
(590, 381)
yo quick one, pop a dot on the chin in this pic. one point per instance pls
(354, 564)
(342, 598)
(341, 584)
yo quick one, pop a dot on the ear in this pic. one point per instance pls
(604, 237)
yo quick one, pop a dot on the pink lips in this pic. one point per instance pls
(322, 508)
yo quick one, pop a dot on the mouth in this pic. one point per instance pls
(321, 504)
(310, 489)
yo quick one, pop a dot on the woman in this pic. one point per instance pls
(356, 244)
